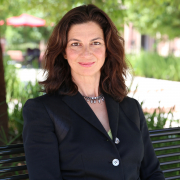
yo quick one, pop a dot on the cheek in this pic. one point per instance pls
(100, 53)
(71, 54)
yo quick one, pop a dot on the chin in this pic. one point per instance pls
(89, 73)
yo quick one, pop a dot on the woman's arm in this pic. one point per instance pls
(40, 143)
(150, 168)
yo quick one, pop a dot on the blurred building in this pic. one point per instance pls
(166, 46)
(134, 42)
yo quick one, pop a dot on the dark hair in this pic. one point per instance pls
(113, 72)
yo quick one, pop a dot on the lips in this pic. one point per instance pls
(88, 64)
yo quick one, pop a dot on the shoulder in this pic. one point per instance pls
(131, 105)
(132, 109)
(45, 104)
(37, 108)
(130, 102)
(44, 99)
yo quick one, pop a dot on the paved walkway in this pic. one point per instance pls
(153, 92)
(157, 93)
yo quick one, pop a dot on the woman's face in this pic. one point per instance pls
(85, 51)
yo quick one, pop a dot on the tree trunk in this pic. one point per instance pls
(3, 104)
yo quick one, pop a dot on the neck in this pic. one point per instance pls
(87, 85)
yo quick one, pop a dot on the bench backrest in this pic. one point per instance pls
(12, 162)
(166, 144)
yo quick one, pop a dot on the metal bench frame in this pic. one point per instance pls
(170, 136)
(12, 150)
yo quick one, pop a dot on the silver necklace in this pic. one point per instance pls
(94, 99)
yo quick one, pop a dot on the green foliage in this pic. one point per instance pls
(27, 91)
(153, 65)
(17, 93)
(11, 80)
(158, 118)
(52, 12)
(152, 16)
(149, 17)
(22, 46)
(19, 35)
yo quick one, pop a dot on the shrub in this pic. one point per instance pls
(152, 65)
(17, 94)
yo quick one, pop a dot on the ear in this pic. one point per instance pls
(64, 55)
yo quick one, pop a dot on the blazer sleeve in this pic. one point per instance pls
(150, 167)
(40, 143)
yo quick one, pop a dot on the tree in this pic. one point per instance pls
(152, 16)
(52, 11)
(4, 6)
(149, 17)
(3, 104)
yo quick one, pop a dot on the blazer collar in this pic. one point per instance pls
(113, 114)
(78, 104)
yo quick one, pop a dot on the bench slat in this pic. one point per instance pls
(174, 177)
(11, 169)
(164, 130)
(166, 140)
(12, 151)
(15, 159)
(21, 176)
(11, 146)
(168, 155)
(169, 162)
(164, 133)
(167, 147)
(171, 170)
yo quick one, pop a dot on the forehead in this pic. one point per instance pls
(85, 30)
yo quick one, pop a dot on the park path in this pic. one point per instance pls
(153, 92)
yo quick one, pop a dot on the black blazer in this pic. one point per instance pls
(64, 140)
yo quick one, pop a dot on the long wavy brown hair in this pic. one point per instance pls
(58, 72)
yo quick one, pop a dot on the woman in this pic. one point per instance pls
(85, 127)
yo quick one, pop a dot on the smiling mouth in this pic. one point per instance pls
(86, 64)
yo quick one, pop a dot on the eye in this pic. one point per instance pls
(75, 44)
(96, 43)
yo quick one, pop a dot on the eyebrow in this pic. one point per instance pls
(97, 38)
(74, 40)
(91, 39)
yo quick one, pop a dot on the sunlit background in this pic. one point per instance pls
(151, 29)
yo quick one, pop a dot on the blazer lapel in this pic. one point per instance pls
(113, 114)
(78, 104)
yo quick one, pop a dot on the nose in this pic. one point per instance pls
(86, 51)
